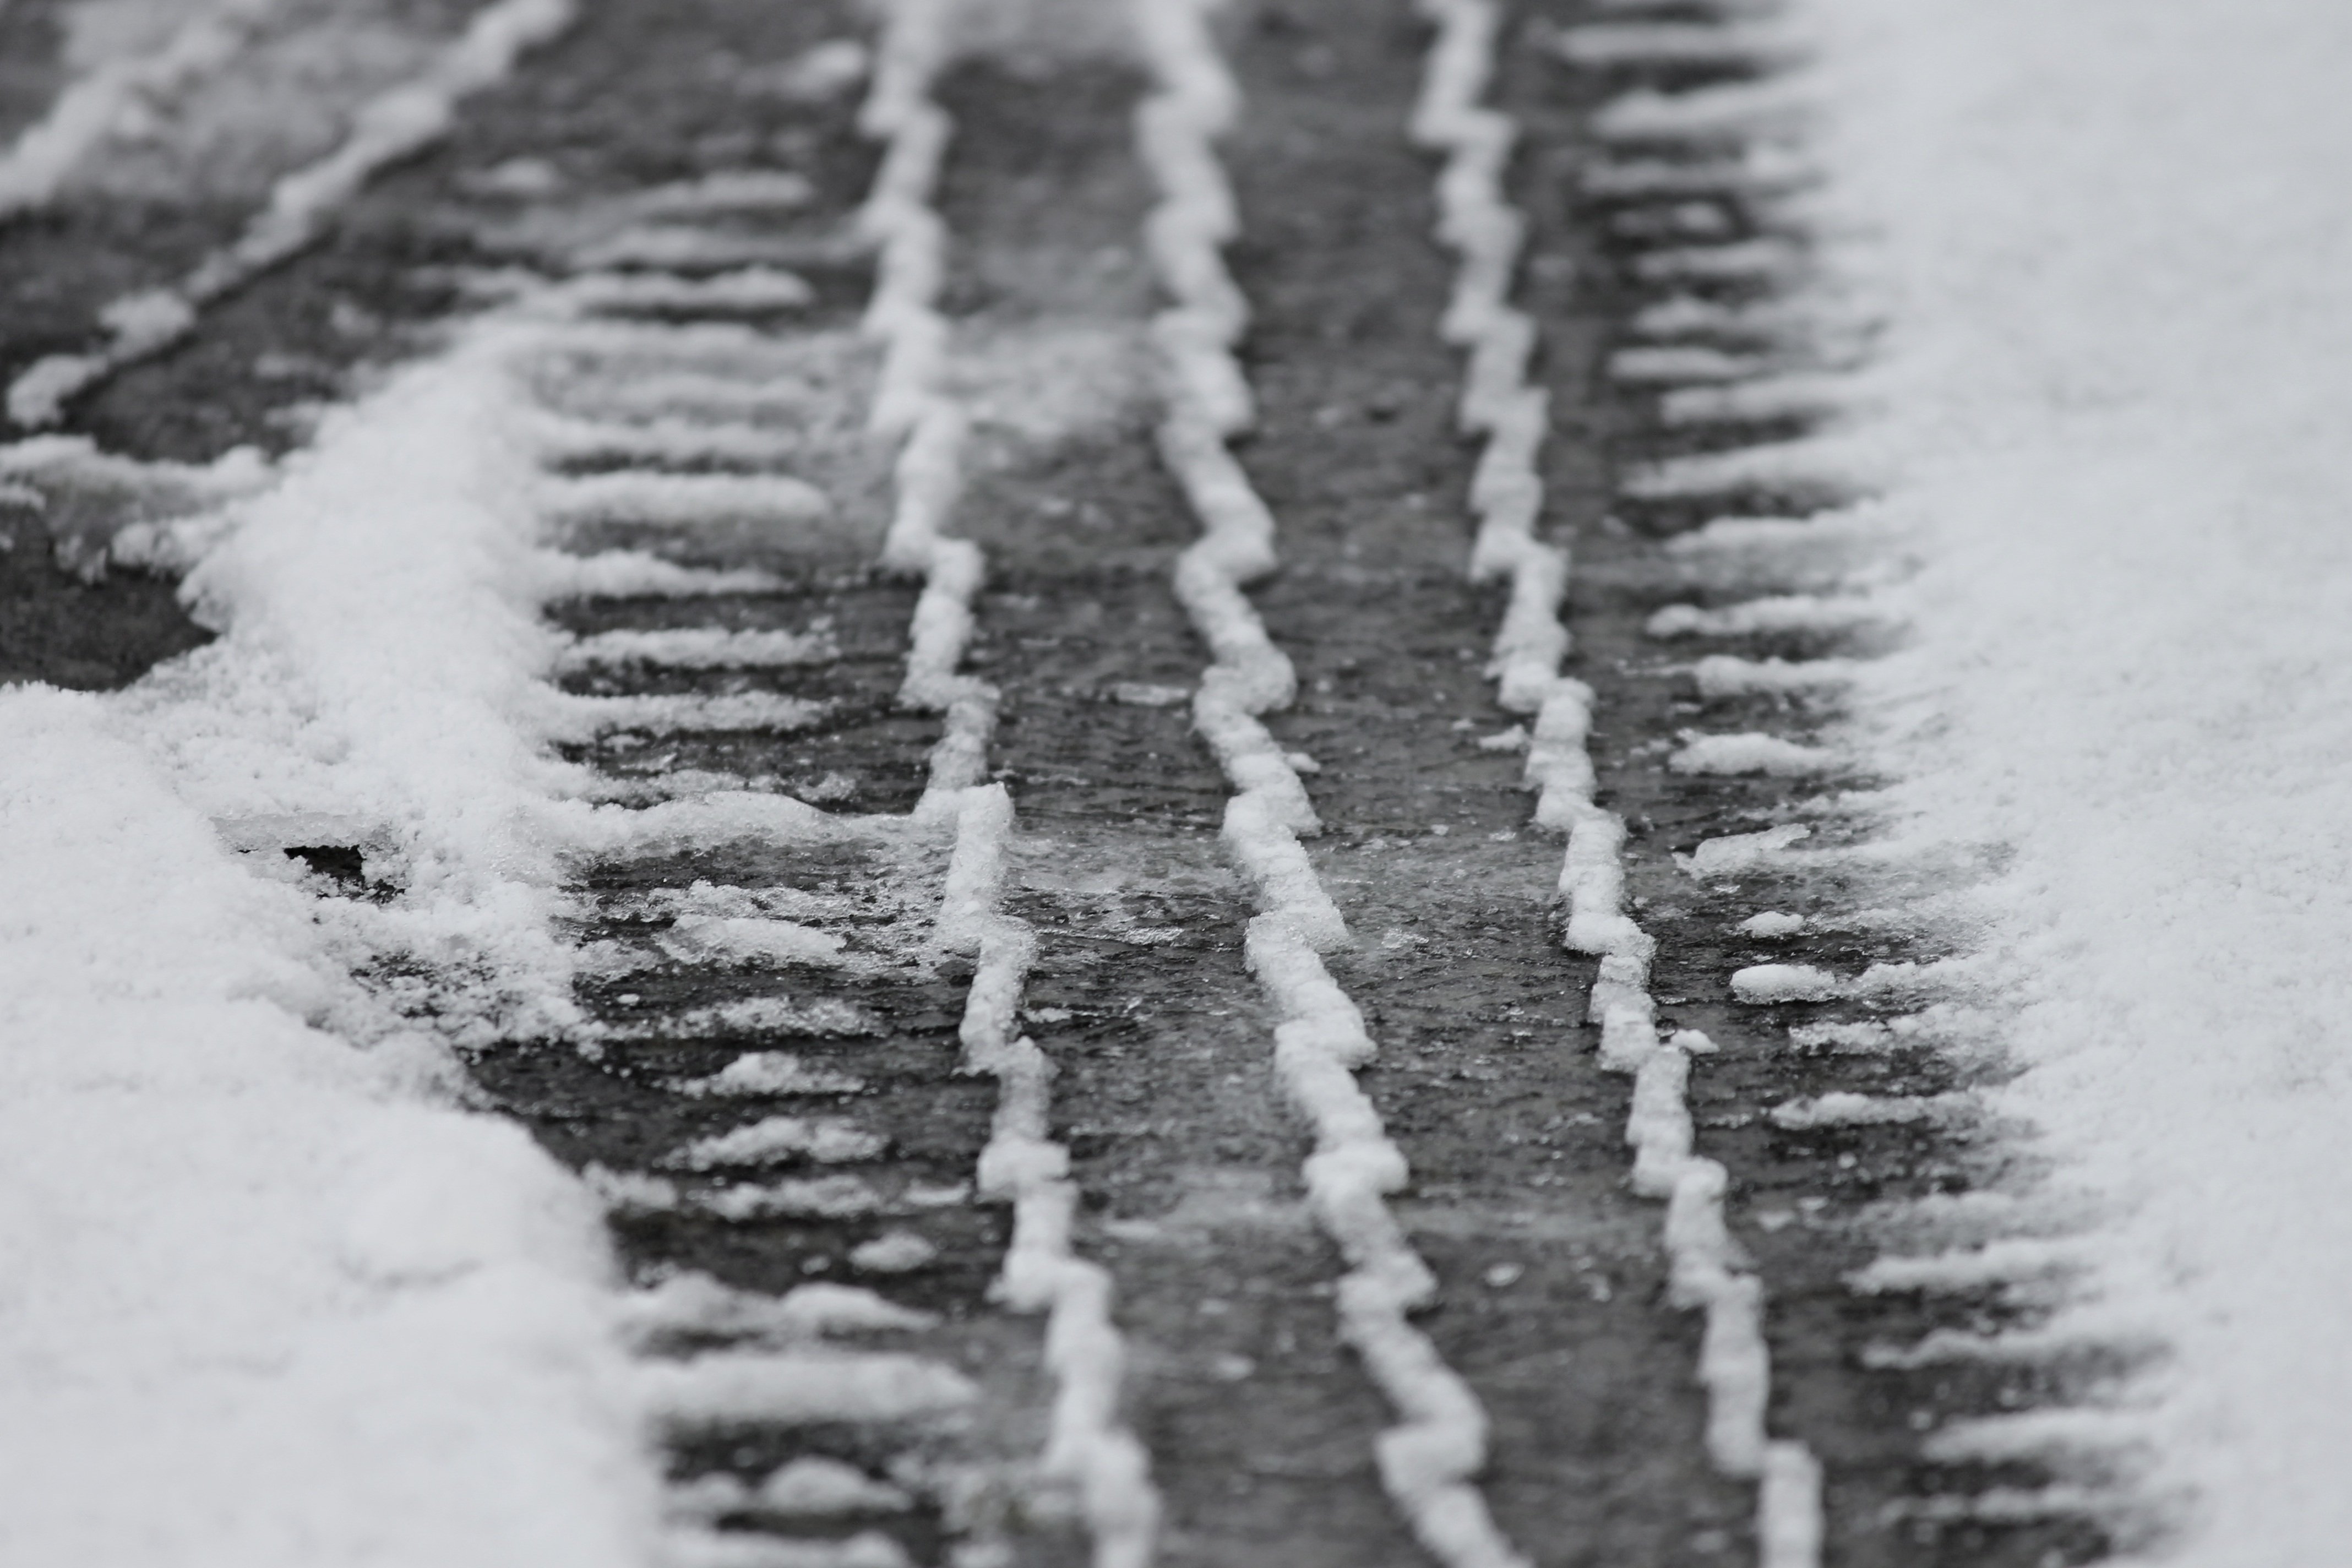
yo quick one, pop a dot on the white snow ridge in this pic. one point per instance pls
(2114, 326)
(2113, 261)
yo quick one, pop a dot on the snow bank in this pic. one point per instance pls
(264, 1304)
(268, 1299)
(2116, 252)
(379, 667)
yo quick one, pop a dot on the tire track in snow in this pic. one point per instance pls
(1745, 350)
(669, 385)
(93, 107)
(393, 125)
(796, 1409)
(845, 919)
(1428, 1459)
(1259, 1418)
(1498, 404)
(1088, 1448)
(765, 1379)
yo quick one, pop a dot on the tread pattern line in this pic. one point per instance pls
(391, 126)
(1427, 1461)
(1088, 1445)
(1506, 496)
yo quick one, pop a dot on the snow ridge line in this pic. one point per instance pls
(909, 408)
(1506, 496)
(1805, 355)
(89, 111)
(1087, 1446)
(391, 126)
(1428, 1459)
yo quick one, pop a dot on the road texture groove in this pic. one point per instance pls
(827, 1065)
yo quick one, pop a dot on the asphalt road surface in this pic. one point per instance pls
(1552, 1299)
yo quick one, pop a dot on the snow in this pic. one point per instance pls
(771, 1073)
(1764, 984)
(750, 289)
(1089, 1448)
(626, 573)
(757, 1016)
(1750, 754)
(826, 1140)
(810, 1486)
(683, 501)
(1971, 1269)
(742, 939)
(380, 660)
(1847, 1110)
(829, 1197)
(2116, 257)
(731, 1387)
(1679, 44)
(1795, 613)
(311, 1315)
(1770, 924)
(894, 1252)
(705, 648)
(575, 717)
(1723, 675)
(733, 191)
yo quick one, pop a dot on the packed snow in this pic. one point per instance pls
(2113, 251)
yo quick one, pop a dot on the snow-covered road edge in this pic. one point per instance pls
(266, 1302)
(2115, 264)
(272, 1298)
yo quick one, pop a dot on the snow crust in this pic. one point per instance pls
(2114, 252)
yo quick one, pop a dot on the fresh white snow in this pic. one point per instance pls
(266, 1303)
(2115, 251)
(271, 1299)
